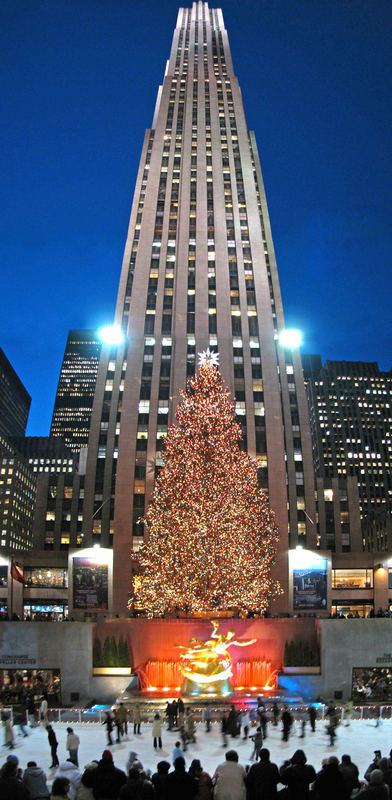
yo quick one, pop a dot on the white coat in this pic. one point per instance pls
(229, 781)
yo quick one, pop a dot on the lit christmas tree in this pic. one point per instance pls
(211, 537)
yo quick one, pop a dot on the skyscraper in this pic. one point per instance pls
(351, 422)
(75, 390)
(14, 400)
(199, 271)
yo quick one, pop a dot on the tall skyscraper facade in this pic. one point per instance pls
(199, 271)
(75, 390)
(350, 404)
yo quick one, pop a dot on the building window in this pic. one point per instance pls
(45, 578)
(352, 579)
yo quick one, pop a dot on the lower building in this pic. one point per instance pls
(17, 499)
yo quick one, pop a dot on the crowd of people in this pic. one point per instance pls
(263, 780)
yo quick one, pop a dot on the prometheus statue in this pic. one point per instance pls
(207, 666)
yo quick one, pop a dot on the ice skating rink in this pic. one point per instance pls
(359, 740)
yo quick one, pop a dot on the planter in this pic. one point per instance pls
(301, 670)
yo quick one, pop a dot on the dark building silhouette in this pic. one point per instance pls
(14, 400)
(75, 390)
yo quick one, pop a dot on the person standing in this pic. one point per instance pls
(72, 745)
(229, 779)
(262, 778)
(204, 782)
(159, 780)
(287, 722)
(180, 784)
(34, 779)
(157, 731)
(330, 782)
(105, 780)
(297, 775)
(67, 769)
(11, 785)
(53, 746)
(350, 774)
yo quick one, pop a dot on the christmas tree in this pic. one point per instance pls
(211, 537)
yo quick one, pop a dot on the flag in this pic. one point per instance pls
(16, 572)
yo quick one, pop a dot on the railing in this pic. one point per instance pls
(97, 715)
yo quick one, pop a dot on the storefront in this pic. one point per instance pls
(42, 610)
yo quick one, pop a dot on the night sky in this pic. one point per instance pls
(79, 82)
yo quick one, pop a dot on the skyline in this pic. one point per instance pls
(72, 132)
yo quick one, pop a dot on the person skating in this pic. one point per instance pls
(287, 721)
(72, 745)
(137, 719)
(108, 722)
(119, 725)
(177, 752)
(275, 713)
(53, 744)
(245, 724)
(9, 732)
(257, 740)
(157, 731)
(312, 714)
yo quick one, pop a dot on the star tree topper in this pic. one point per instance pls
(209, 357)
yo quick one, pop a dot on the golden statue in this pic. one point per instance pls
(207, 666)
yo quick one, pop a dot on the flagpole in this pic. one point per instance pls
(12, 591)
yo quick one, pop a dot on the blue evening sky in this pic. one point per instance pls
(78, 87)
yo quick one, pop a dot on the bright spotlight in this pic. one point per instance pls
(111, 334)
(290, 338)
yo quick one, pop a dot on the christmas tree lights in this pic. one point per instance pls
(211, 537)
